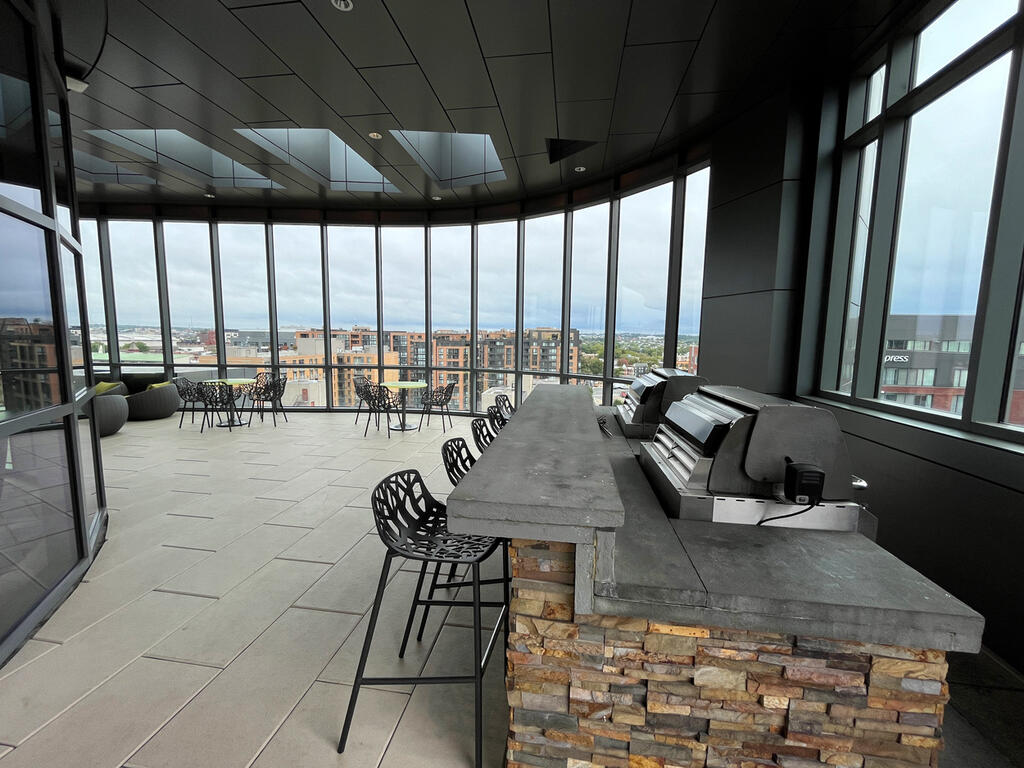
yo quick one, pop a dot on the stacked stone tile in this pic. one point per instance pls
(593, 690)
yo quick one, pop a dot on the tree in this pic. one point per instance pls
(142, 346)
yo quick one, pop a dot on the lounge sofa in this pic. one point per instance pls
(110, 408)
(150, 396)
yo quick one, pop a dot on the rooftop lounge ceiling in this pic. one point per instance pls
(632, 77)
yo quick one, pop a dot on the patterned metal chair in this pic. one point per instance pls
(457, 459)
(505, 404)
(364, 391)
(218, 399)
(268, 390)
(413, 525)
(382, 401)
(439, 398)
(189, 397)
(482, 435)
(495, 419)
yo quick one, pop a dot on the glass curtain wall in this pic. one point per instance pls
(482, 342)
(51, 504)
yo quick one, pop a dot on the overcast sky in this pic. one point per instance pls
(24, 288)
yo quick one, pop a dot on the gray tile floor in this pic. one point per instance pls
(222, 621)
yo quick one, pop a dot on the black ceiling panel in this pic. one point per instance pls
(648, 82)
(511, 28)
(640, 78)
(131, 68)
(304, 46)
(441, 37)
(406, 93)
(589, 120)
(666, 21)
(367, 34)
(587, 41)
(527, 99)
(213, 28)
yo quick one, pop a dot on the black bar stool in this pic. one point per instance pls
(482, 435)
(496, 419)
(413, 525)
(507, 409)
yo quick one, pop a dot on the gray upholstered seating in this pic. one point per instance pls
(110, 412)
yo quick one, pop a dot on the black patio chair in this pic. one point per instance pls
(505, 404)
(495, 419)
(439, 398)
(482, 435)
(413, 525)
(218, 400)
(381, 401)
(363, 387)
(266, 391)
(189, 397)
(457, 459)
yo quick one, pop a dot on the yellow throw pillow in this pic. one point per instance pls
(106, 386)
(158, 385)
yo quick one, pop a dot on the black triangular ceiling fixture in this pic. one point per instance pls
(559, 149)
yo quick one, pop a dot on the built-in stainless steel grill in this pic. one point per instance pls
(721, 454)
(649, 397)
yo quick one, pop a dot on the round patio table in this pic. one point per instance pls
(234, 418)
(403, 387)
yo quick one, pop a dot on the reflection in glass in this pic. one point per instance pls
(94, 290)
(88, 463)
(876, 90)
(352, 274)
(243, 270)
(490, 384)
(496, 295)
(453, 159)
(691, 279)
(39, 545)
(133, 263)
(861, 230)
(190, 292)
(954, 31)
(20, 177)
(942, 229)
(76, 337)
(542, 295)
(589, 285)
(645, 220)
(403, 293)
(1015, 395)
(450, 310)
(300, 299)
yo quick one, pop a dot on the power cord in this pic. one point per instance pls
(791, 514)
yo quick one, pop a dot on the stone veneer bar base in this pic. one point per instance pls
(590, 690)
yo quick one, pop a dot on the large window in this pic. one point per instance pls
(943, 227)
(133, 263)
(496, 298)
(243, 270)
(542, 296)
(926, 271)
(352, 278)
(589, 285)
(645, 222)
(190, 293)
(403, 293)
(691, 278)
(298, 281)
(450, 307)
(94, 303)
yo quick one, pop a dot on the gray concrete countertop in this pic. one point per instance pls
(546, 476)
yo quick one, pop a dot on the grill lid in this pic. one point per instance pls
(701, 421)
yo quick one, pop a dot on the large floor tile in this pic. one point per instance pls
(965, 747)
(222, 571)
(304, 485)
(332, 539)
(29, 652)
(309, 737)
(38, 692)
(116, 588)
(224, 629)
(316, 507)
(387, 639)
(369, 473)
(124, 545)
(350, 584)
(107, 726)
(231, 720)
(438, 724)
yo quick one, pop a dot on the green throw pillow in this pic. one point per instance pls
(160, 384)
(106, 386)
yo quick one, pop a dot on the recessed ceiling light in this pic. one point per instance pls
(343, 5)
(376, 136)
(580, 168)
(209, 194)
(435, 197)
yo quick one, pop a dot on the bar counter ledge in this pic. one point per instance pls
(644, 642)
